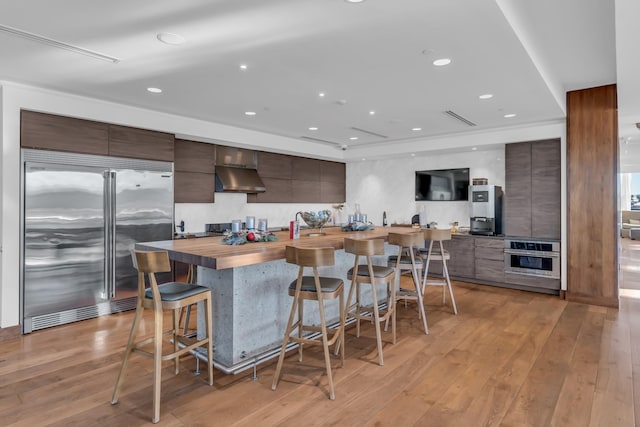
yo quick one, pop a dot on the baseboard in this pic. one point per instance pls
(9, 333)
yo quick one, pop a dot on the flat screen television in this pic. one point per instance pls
(442, 185)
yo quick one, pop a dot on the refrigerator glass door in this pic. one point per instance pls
(143, 213)
(64, 238)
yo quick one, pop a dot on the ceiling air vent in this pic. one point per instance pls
(323, 141)
(459, 117)
(368, 132)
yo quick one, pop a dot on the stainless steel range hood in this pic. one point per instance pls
(236, 171)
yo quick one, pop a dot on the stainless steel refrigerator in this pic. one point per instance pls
(81, 216)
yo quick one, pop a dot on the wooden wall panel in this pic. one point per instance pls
(592, 158)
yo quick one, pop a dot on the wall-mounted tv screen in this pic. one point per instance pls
(443, 184)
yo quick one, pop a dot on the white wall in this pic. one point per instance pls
(388, 185)
(377, 185)
(229, 206)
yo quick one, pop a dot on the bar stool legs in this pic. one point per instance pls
(312, 288)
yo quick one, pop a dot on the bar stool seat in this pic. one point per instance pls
(172, 296)
(406, 260)
(373, 275)
(436, 252)
(314, 288)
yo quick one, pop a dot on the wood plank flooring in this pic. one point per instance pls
(510, 358)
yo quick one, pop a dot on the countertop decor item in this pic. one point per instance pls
(316, 220)
(358, 226)
(248, 236)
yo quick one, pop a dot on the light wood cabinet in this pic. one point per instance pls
(58, 133)
(532, 189)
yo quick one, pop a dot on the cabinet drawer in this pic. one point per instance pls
(490, 254)
(490, 270)
(489, 243)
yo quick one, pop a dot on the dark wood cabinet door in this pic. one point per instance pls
(193, 187)
(333, 172)
(273, 165)
(517, 194)
(489, 259)
(58, 133)
(462, 253)
(140, 143)
(306, 169)
(278, 191)
(192, 156)
(545, 189)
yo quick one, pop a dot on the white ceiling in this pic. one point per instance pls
(376, 55)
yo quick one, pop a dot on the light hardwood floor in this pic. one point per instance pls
(508, 358)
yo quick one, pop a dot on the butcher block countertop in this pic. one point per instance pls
(210, 252)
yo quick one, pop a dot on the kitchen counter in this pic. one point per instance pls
(212, 253)
(249, 287)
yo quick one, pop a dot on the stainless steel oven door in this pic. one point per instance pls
(532, 263)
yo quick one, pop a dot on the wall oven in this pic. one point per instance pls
(532, 258)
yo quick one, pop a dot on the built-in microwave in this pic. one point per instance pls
(532, 258)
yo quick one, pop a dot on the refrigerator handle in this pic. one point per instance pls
(112, 227)
(106, 206)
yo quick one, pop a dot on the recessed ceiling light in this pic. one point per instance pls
(441, 62)
(154, 89)
(364, 158)
(508, 116)
(170, 38)
(250, 113)
(354, 1)
(313, 128)
(413, 154)
(416, 129)
(353, 138)
(243, 66)
(486, 96)
(372, 113)
(474, 148)
(321, 94)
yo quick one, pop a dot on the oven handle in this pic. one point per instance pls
(532, 253)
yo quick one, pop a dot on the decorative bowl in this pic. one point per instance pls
(316, 219)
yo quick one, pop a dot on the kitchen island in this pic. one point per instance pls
(249, 285)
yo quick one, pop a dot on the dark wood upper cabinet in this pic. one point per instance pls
(333, 172)
(192, 156)
(304, 169)
(193, 187)
(293, 179)
(273, 165)
(532, 190)
(58, 133)
(194, 172)
(140, 143)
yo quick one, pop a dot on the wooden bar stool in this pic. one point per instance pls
(169, 296)
(407, 260)
(437, 253)
(372, 275)
(314, 288)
